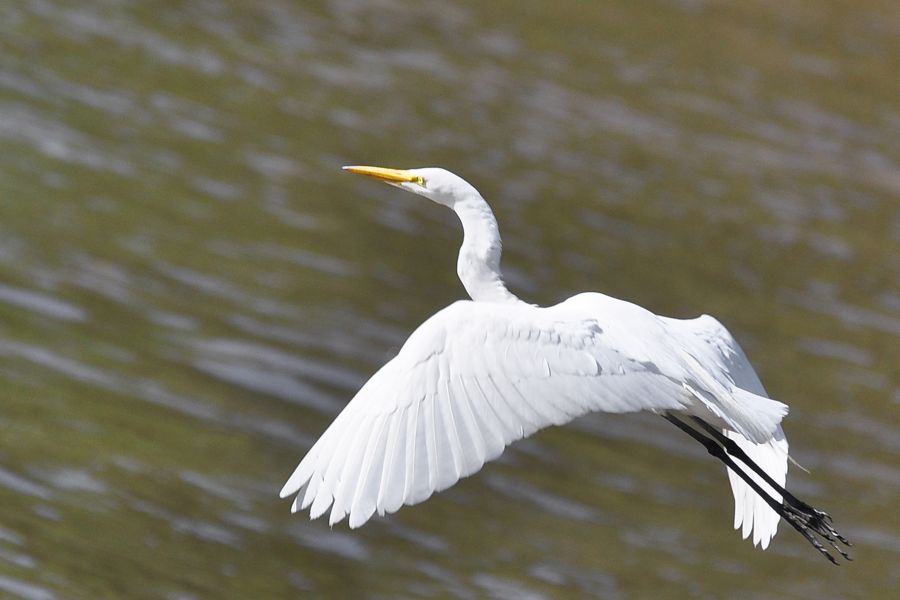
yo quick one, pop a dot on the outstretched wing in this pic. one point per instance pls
(713, 346)
(469, 381)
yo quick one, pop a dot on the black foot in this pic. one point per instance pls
(808, 521)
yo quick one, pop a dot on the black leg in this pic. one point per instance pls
(734, 450)
(800, 516)
(819, 521)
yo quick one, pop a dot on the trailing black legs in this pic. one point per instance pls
(800, 515)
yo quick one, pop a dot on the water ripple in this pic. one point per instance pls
(24, 589)
(42, 304)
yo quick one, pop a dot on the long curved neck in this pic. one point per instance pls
(478, 266)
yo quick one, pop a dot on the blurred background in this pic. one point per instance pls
(191, 289)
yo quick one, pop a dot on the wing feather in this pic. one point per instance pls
(471, 380)
(444, 462)
(421, 490)
(430, 432)
(412, 451)
(456, 447)
(476, 450)
(320, 503)
(518, 421)
(485, 420)
(497, 412)
(547, 412)
(391, 494)
(366, 494)
(348, 478)
(308, 496)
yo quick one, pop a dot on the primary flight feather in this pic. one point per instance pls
(485, 372)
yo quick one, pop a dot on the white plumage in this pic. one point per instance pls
(480, 374)
(710, 343)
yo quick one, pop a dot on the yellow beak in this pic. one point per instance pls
(387, 175)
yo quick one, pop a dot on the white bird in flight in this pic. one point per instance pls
(483, 373)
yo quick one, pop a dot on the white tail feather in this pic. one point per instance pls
(751, 512)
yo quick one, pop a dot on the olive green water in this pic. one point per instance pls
(190, 288)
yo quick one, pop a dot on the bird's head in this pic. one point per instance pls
(438, 185)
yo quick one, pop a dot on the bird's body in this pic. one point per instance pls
(485, 372)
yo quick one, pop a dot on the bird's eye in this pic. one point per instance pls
(420, 180)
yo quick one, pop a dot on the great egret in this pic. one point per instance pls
(481, 374)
